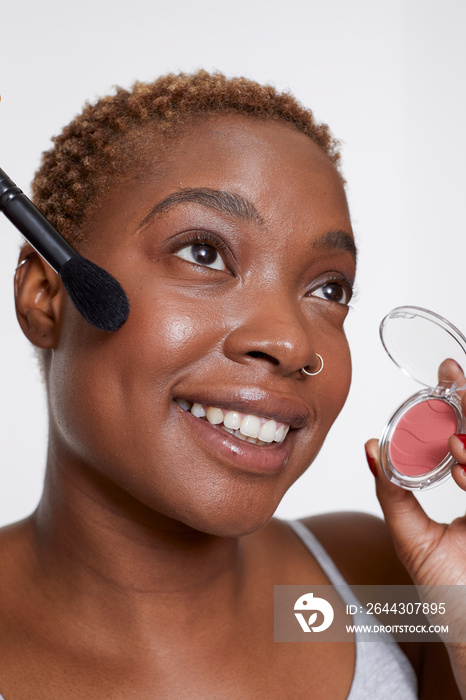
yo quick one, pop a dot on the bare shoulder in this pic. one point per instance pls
(16, 562)
(361, 547)
(15, 536)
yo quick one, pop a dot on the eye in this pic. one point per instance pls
(202, 254)
(333, 291)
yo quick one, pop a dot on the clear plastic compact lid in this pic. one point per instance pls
(418, 341)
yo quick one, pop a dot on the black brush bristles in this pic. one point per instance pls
(95, 293)
(99, 298)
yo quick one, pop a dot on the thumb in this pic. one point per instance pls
(412, 531)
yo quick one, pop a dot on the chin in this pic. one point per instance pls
(230, 528)
(227, 520)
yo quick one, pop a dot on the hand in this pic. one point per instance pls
(433, 553)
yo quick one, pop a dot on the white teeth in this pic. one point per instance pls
(279, 434)
(259, 431)
(267, 431)
(214, 415)
(232, 420)
(250, 426)
(238, 434)
(198, 410)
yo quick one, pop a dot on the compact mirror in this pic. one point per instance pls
(414, 443)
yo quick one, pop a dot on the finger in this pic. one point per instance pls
(450, 372)
(457, 447)
(458, 474)
(412, 531)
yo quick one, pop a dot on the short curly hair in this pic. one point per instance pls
(100, 145)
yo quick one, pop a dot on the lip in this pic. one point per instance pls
(282, 408)
(242, 455)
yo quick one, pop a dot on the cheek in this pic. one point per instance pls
(167, 340)
(162, 341)
(328, 392)
(106, 390)
(336, 383)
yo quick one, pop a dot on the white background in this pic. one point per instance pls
(389, 78)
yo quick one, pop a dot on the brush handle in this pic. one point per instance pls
(34, 227)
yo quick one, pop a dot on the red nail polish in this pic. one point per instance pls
(371, 463)
(462, 437)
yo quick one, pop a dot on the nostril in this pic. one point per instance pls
(264, 356)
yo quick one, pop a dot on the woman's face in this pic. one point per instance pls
(236, 254)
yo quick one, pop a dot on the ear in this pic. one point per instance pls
(39, 297)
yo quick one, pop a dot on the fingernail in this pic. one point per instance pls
(462, 437)
(371, 462)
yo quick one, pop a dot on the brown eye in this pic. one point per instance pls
(202, 254)
(332, 291)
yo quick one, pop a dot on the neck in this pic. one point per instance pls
(100, 547)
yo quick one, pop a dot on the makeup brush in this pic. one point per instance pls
(99, 298)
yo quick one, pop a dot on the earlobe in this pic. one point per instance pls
(39, 299)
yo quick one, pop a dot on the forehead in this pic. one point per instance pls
(250, 152)
(287, 177)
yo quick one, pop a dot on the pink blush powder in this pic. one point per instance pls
(419, 442)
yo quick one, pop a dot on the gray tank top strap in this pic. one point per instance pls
(325, 562)
(382, 671)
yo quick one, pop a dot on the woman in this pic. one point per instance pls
(148, 568)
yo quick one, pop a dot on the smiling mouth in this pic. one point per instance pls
(244, 426)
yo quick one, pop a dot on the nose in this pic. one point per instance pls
(278, 334)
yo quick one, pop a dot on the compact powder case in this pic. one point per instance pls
(413, 447)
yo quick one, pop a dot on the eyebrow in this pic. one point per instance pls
(228, 203)
(339, 240)
(240, 208)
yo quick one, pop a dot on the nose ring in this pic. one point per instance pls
(313, 374)
(23, 262)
